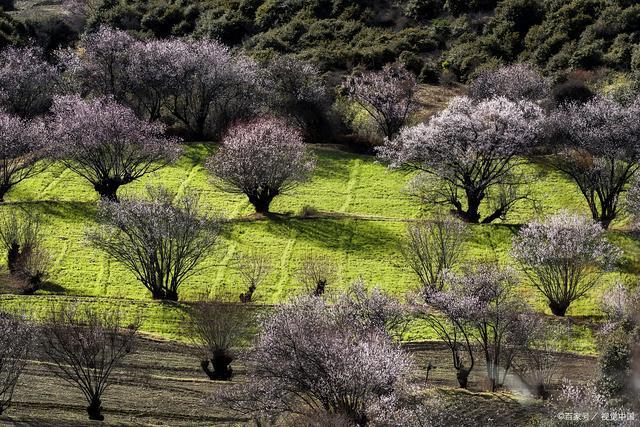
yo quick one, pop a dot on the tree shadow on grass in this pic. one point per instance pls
(76, 212)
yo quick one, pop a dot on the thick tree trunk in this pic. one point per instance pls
(95, 410)
(107, 190)
(13, 254)
(558, 308)
(220, 362)
(320, 287)
(262, 201)
(165, 295)
(472, 214)
(463, 377)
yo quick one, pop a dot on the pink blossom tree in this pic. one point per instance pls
(314, 358)
(564, 257)
(515, 82)
(212, 87)
(105, 143)
(27, 81)
(474, 149)
(261, 159)
(16, 339)
(386, 95)
(22, 150)
(99, 65)
(599, 151)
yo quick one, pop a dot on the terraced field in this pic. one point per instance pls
(363, 210)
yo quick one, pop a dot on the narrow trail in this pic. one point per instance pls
(54, 182)
(284, 260)
(354, 174)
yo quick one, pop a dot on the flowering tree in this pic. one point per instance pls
(432, 249)
(298, 91)
(22, 150)
(600, 150)
(473, 149)
(213, 87)
(16, 337)
(26, 81)
(515, 82)
(313, 357)
(84, 347)
(100, 64)
(215, 327)
(386, 95)
(105, 143)
(162, 243)
(261, 159)
(564, 257)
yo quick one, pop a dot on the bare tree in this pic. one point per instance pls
(261, 159)
(27, 260)
(159, 241)
(253, 269)
(386, 95)
(16, 337)
(538, 361)
(215, 328)
(564, 257)
(85, 346)
(316, 273)
(432, 248)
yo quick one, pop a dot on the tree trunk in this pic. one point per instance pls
(220, 362)
(262, 201)
(4, 189)
(558, 308)
(472, 214)
(165, 295)
(107, 190)
(320, 287)
(95, 409)
(13, 254)
(542, 392)
(463, 377)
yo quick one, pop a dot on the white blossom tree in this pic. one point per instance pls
(16, 338)
(599, 150)
(386, 95)
(261, 159)
(564, 257)
(515, 82)
(474, 149)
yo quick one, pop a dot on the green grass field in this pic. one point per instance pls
(363, 241)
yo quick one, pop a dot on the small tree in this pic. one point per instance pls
(16, 338)
(564, 257)
(316, 273)
(162, 243)
(538, 361)
(471, 148)
(516, 82)
(26, 81)
(432, 248)
(253, 269)
(27, 260)
(599, 151)
(107, 144)
(22, 150)
(317, 358)
(215, 328)
(261, 159)
(84, 347)
(386, 95)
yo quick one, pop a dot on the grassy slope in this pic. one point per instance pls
(343, 183)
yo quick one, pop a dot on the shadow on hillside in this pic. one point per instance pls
(72, 211)
(351, 235)
(333, 166)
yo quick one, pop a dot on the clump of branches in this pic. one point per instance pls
(253, 268)
(316, 273)
(161, 241)
(16, 338)
(216, 327)
(85, 346)
(538, 361)
(27, 260)
(433, 248)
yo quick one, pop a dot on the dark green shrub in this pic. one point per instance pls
(423, 9)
